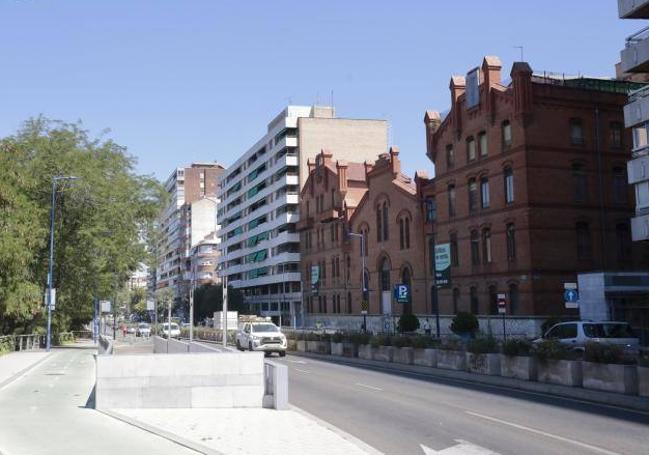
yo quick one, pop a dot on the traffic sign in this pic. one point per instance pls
(402, 293)
(571, 295)
(502, 304)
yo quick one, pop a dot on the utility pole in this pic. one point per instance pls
(50, 298)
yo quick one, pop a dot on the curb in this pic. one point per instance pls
(198, 448)
(11, 379)
(631, 403)
(342, 433)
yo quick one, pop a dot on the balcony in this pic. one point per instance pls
(633, 9)
(638, 169)
(636, 110)
(635, 56)
(640, 227)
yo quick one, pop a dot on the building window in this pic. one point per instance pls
(509, 185)
(332, 234)
(584, 248)
(486, 246)
(431, 254)
(455, 258)
(349, 303)
(514, 299)
(475, 248)
(473, 195)
(475, 303)
(456, 300)
(407, 233)
(576, 132)
(324, 304)
(510, 232)
(450, 156)
(482, 140)
(623, 244)
(493, 300)
(616, 131)
(308, 207)
(620, 185)
(431, 209)
(470, 149)
(349, 268)
(385, 275)
(506, 134)
(379, 218)
(451, 200)
(640, 137)
(484, 192)
(580, 182)
(385, 221)
(333, 267)
(333, 198)
(401, 233)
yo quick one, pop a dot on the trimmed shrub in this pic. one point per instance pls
(452, 345)
(408, 323)
(605, 353)
(553, 350)
(401, 342)
(337, 337)
(424, 342)
(517, 347)
(359, 338)
(381, 340)
(484, 345)
(465, 322)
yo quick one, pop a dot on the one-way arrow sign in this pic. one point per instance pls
(461, 448)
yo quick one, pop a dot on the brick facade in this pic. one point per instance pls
(529, 188)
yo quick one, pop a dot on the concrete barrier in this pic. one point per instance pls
(105, 345)
(183, 380)
(275, 385)
(183, 347)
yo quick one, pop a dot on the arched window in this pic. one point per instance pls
(379, 219)
(349, 302)
(506, 134)
(404, 232)
(513, 299)
(475, 304)
(510, 232)
(385, 221)
(475, 247)
(385, 275)
(473, 195)
(580, 181)
(486, 246)
(451, 200)
(349, 268)
(508, 176)
(470, 149)
(493, 300)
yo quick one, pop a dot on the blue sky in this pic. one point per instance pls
(195, 80)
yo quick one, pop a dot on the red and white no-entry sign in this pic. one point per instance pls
(502, 304)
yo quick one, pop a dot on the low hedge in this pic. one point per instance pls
(553, 350)
(606, 353)
(517, 347)
(483, 345)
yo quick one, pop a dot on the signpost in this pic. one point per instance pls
(571, 295)
(502, 309)
(402, 293)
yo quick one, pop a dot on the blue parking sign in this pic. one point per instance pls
(402, 293)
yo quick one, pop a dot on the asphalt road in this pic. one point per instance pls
(412, 414)
(45, 412)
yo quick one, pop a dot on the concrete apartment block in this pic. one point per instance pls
(190, 380)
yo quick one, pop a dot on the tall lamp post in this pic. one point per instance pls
(50, 268)
(363, 282)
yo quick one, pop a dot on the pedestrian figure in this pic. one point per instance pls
(427, 327)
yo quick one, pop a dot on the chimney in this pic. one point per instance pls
(395, 163)
(457, 86)
(368, 169)
(432, 120)
(491, 67)
(522, 82)
(341, 167)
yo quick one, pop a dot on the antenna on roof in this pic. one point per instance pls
(521, 49)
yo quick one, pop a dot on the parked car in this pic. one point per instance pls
(175, 330)
(261, 336)
(132, 330)
(143, 329)
(578, 333)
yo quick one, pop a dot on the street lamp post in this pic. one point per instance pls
(50, 268)
(191, 304)
(363, 288)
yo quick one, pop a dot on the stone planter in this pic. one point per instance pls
(350, 350)
(383, 353)
(291, 345)
(518, 367)
(336, 348)
(301, 346)
(563, 372)
(366, 351)
(319, 347)
(425, 357)
(403, 355)
(451, 360)
(483, 363)
(610, 378)
(643, 381)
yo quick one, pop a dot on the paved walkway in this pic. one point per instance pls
(13, 363)
(252, 431)
(44, 412)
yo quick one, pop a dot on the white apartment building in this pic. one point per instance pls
(258, 209)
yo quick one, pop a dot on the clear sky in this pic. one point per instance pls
(195, 80)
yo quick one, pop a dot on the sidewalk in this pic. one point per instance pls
(243, 431)
(14, 363)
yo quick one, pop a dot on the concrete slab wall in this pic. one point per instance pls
(181, 347)
(184, 380)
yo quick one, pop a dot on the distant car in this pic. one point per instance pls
(578, 333)
(132, 330)
(143, 329)
(175, 330)
(261, 336)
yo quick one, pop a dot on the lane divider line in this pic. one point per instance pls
(543, 433)
(371, 387)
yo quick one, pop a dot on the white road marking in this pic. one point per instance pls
(543, 433)
(301, 362)
(461, 448)
(371, 387)
(302, 371)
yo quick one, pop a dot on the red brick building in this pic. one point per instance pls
(530, 187)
